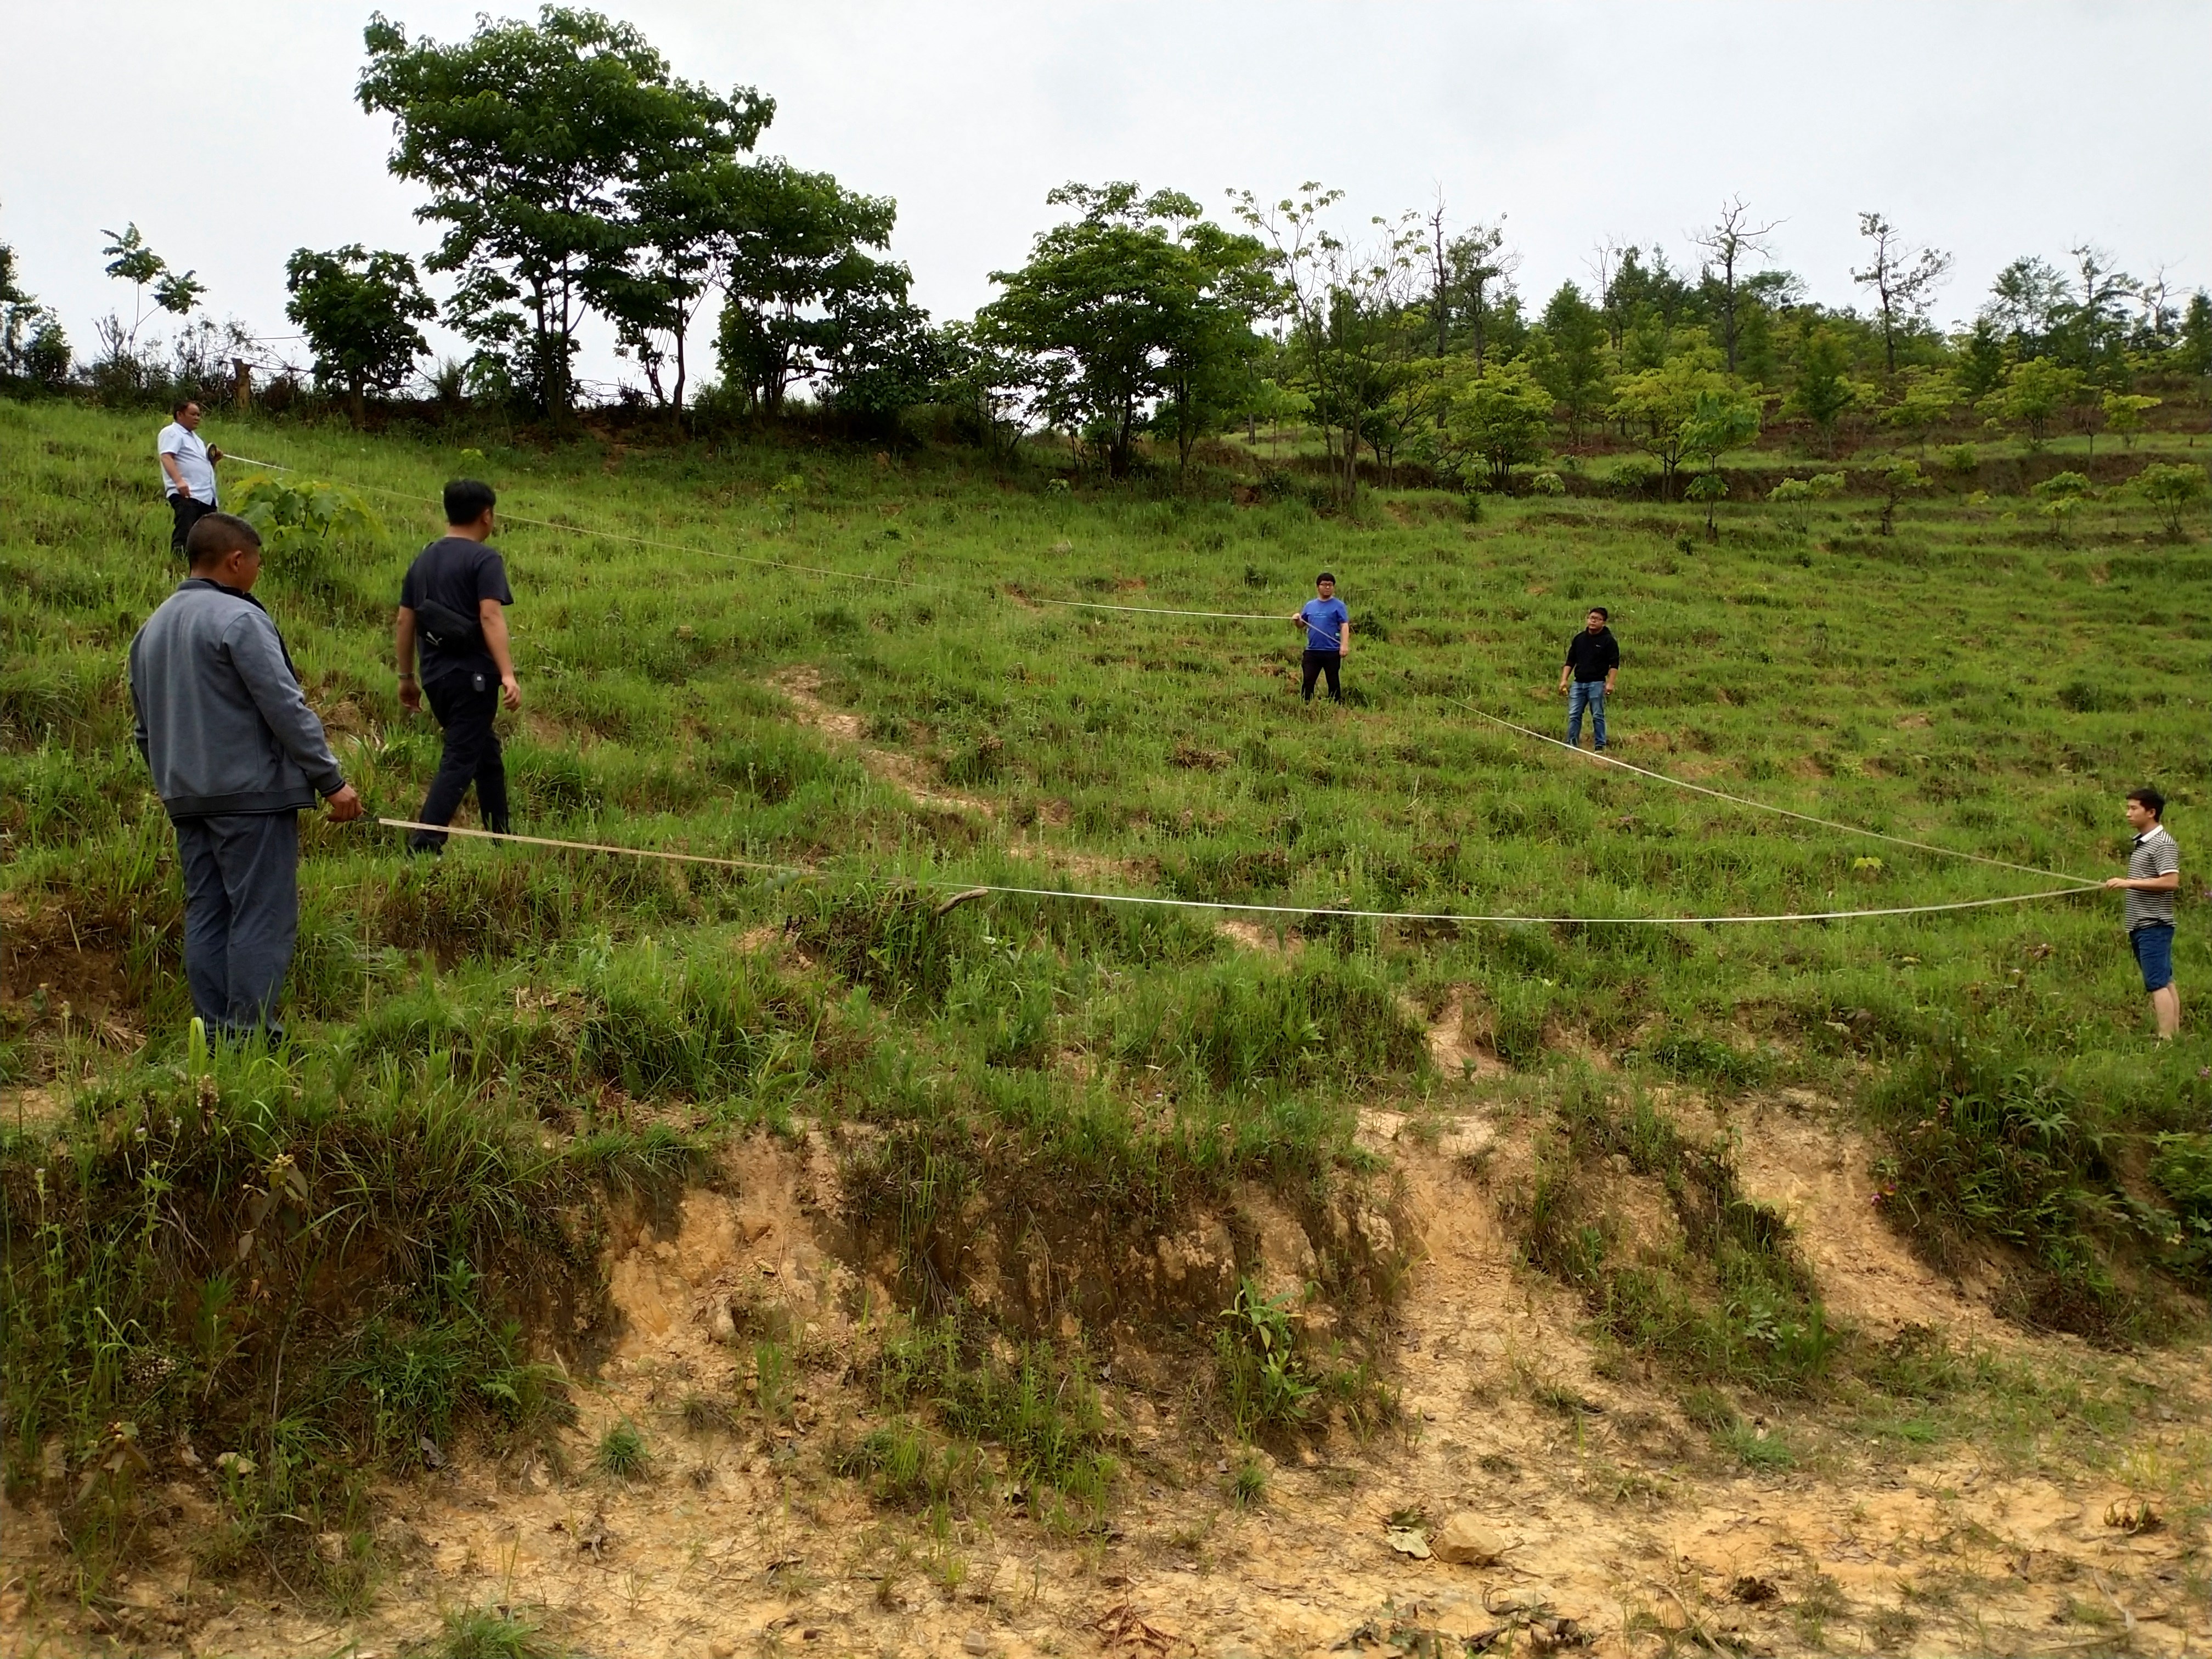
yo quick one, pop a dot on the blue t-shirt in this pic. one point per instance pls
(1324, 620)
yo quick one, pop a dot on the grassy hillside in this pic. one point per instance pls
(529, 1027)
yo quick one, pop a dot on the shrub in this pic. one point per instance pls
(2171, 491)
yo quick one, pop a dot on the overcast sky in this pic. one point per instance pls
(228, 131)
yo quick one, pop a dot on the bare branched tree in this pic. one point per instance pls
(1731, 243)
(1904, 280)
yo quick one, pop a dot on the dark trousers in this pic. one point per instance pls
(241, 915)
(1318, 663)
(189, 510)
(466, 705)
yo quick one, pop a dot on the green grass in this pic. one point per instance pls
(623, 1453)
(491, 1633)
(478, 1040)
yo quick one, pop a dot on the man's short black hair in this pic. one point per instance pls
(216, 534)
(182, 404)
(1600, 610)
(1324, 576)
(468, 500)
(2153, 802)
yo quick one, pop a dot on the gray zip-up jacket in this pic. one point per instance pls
(222, 719)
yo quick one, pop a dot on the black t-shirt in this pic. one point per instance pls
(446, 580)
(1593, 656)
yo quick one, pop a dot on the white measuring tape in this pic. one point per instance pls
(1310, 912)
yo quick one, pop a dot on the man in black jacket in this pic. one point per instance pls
(451, 605)
(1593, 660)
(235, 753)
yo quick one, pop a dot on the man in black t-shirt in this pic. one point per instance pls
(452, 606)
(1593, 659)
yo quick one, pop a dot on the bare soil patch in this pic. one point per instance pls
(803, 685)
(1619, 1531)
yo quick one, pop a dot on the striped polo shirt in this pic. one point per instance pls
(2154, 854)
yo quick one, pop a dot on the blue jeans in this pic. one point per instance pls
(1590, 694)
(241, 915)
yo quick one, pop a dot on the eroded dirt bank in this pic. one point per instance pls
(1619, 1525)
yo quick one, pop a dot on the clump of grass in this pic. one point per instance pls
(1749, 1444)
(623, 1454)
(902, 1462)
(702, 1414)
(1248, 1483)
(1731, 1301)
(1038, 1404)
(773, 1380)
(491, 1633)
(1989, 1142)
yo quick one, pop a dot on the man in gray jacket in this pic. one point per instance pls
(235, 753)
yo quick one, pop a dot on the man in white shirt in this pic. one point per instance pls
(187, 470)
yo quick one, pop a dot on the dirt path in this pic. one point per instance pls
(803, 685)
(1612, 1510)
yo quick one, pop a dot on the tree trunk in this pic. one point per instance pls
(680, 331)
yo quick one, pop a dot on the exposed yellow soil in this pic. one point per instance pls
(1613, 1511)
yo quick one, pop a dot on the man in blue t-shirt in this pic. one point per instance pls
(1328, 637)
(452, 607)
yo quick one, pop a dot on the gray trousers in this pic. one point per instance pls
(241, 915)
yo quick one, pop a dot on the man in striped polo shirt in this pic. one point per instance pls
(2153, 879)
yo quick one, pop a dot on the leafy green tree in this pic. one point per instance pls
(984, 383)
(2033, 392)
(1347, 310)
(1925, 400)
(1138, 301)
(688, 209)
(1795, 496)
(2094, 337)
(532, 140)
(1212, 364)
(2061, 496)
(131, 260)
(358, 310)
(1899, 480)
(800, 281)
(1479, 272)
(2124, 411)
(1721, 419)
(34, 352)
(2172, 491)
(2026, 307)
(2194, 355)
(1502, 416)
(1904, 279)
(1274, 403)
(1571, 361)
(1708, 490)
(1659, 405)
(1824, 390)
(1652, 300)
(1981, 360)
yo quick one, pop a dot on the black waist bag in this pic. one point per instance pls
(447, 627)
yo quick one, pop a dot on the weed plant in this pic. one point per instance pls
(1725, 1297)
(1035, 1404)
